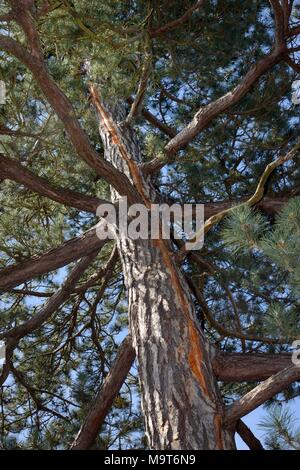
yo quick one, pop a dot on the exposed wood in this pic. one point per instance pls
(170, 347)
(59, 101)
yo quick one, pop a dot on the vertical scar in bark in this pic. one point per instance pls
(195, 355)
(134, 170)
(218, 431)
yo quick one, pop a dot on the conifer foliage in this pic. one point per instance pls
(207, 89)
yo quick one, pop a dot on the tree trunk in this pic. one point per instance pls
(180, 397)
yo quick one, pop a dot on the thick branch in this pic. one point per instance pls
(104, 399)
(269, 205)
(248, 437)
(206, 114)
(54, 302)
(13, 170)
(55, 258)
(249, 367)
(260, 394)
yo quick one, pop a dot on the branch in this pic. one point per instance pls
(13, 170)
(254, 199)
(60, 103)
(287, 7)
(154, 121)
(14, 335)
(102, 271)
(221, 329)
(54, 302)
(279, 22)
(6, 18)
(206, 114)
(248, 437)
(33, 392)
(260, 394)
(33, 293)
(174, 24)
(249, 367)
(294, 31)
(4, 130)
(292, 64)
(137, 103)
(104, 399)
(53, 259)
(270, 205)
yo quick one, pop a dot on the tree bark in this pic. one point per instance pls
(180, 397)
(249, 367)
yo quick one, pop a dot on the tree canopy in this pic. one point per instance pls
(207, 86)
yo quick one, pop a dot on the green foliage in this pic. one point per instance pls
(281, 431)
(244, 228)
(255, 279)
(247, 229)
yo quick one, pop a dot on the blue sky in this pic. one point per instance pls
(252, 420)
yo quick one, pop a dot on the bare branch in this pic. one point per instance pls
(137, 103)
(33, 392)
(34, 293)
(103, 271)
(260, 394)
(104, 399)
(221, 329)
(14, 335)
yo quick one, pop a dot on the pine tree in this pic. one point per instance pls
(165, 101)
